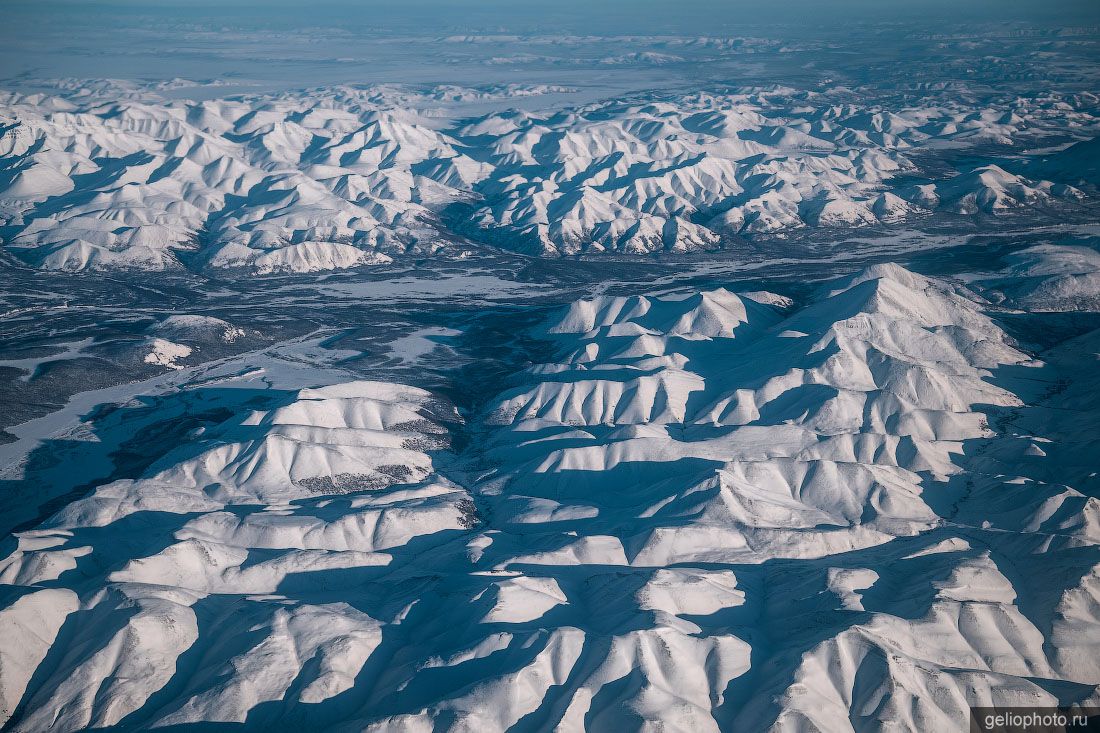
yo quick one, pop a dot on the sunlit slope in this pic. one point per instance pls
(344, 177)
(709, 510)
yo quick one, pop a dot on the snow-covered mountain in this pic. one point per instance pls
(704, 509)
(527, 367)
(105, 177)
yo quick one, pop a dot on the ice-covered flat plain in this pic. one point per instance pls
(548, 369)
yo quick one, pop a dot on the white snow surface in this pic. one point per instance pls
(344, 177)
(706, 512)
(1051, 277)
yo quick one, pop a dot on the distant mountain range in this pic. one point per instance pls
(342, 177)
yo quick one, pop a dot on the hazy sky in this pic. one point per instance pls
(284, 43)
(635, 16)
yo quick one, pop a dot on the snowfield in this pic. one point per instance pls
(355, 176)
(548, 367)
(707, 510)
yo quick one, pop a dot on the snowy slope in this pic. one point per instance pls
(106, 178)
(709, 510)
(1050, 277)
